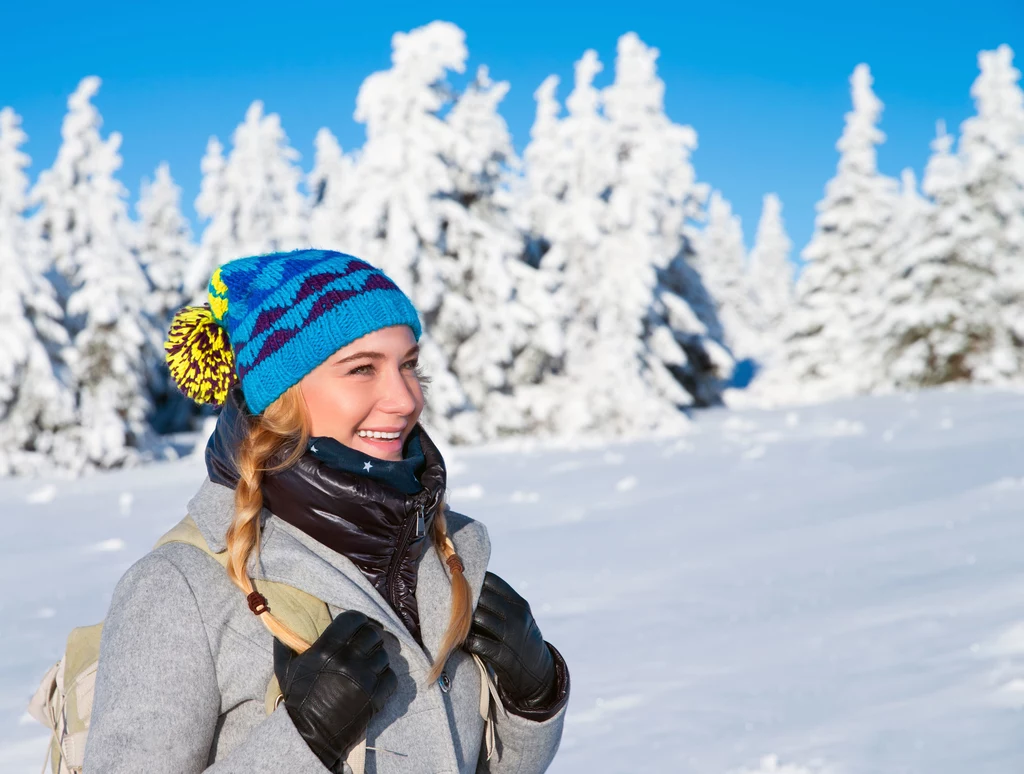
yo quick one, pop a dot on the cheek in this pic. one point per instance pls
(417, 394)
(332, 411)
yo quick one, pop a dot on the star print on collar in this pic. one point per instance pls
(367, 466)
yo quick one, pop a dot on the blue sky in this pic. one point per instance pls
(764, 84)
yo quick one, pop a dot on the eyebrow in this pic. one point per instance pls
(374, 355)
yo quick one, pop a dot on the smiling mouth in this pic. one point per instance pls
(383, 444)
(383, 435)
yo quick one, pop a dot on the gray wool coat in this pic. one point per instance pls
(184, 665)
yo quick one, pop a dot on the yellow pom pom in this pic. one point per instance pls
(199, 356)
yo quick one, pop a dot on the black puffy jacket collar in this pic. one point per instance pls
(379, 529)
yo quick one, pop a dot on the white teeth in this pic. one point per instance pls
(378, 435)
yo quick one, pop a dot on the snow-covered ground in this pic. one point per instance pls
(831, 589)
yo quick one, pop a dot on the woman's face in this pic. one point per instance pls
(368, 386)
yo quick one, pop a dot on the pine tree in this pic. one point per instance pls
(610, 186)
(770, 278)
(839, 289)
(217, 202)
(910, 343)
(569, 166)
(83, 222)
(35, 407)
(329, 193)
(721, 259)
(944, 320)
(991, 151)
(653, 198)
(251, 199)
(953, 306)
(165, 244)
(402, 183)
(165, 251)
(491, 338)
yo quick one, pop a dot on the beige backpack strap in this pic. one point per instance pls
(303, 613)
(47, 707)
(488, 696)
(356, 758)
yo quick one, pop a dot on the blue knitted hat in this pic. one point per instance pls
(273, 318)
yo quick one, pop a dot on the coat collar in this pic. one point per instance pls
(288, 555)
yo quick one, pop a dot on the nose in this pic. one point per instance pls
(397, 395)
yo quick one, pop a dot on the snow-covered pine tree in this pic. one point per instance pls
(217, 202)
(770, 278)
(653, 199)
(495, 340)
(328, 183)
(920, 327)
(165, 251)
(251, 199)
(840, 287)
(720, 256)
(991, 151)
(35, 406)
(397, 200)
(165, 244)
(944, 319)
(83, 222)
(953, 307)
(569, 167)
(610, 186)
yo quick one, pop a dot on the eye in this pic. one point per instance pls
(412, 365)
(363, 369)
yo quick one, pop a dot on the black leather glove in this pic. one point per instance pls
(505, 635)
(333, 689)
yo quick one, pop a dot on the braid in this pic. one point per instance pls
(462, 614)
(282, 423)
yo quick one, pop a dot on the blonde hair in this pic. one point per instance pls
(284, 425)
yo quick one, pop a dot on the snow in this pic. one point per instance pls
(837, 603)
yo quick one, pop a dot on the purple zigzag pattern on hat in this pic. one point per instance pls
(267, 318)
(317, 282)
(310, 285)
(325, 303)
(256, 286)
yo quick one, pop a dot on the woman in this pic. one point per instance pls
(320, 478)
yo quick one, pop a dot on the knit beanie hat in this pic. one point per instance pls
(271, 319)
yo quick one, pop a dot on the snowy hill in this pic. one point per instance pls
(839, 586)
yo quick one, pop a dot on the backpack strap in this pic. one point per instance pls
(303, 613)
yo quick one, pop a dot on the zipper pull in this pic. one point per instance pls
(419, 521)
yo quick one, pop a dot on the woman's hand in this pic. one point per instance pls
(333, 689)
(505, 635)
